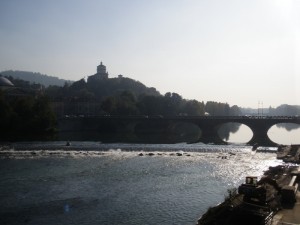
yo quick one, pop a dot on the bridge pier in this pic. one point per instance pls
(260, 135)
(125, 126)
(209, 133)
(208, 138)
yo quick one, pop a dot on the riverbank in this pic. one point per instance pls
(236, 210)
(289, 154)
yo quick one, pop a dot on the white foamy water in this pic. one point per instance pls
(94, 183)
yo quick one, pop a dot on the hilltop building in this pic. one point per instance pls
(100, 75)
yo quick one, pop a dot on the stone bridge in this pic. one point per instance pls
(209, 125)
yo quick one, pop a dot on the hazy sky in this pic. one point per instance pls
(239, 52)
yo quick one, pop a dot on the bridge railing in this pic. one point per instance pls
(185, 117)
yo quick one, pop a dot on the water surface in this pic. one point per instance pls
(94, 183)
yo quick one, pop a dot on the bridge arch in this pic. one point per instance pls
(260, 133)
(285, 133)
(209, 125)
(262, 125)
(233, 132)
(258, 125)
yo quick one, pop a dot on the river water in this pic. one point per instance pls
(278, 134)
(94, 183)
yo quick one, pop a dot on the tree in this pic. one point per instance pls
(173, 103)
(151, 105)
(235, 110)
(78, 85)
(44, 118)
(193, 108)
(109, 105)
(221, 109)
(5, 113)
(26, 117)
(122, 104)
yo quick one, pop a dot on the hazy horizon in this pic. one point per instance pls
(239, 52)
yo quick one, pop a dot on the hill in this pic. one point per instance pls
(33, 77)
(98, 90)
(121, 95)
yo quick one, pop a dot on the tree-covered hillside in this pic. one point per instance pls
(115, 96)
(33, 77)
(28, 109)
(124, 96)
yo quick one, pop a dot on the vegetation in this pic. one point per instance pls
(118, 96)
(30, 107)
(25, 117)
(285, 110)
(109, 96)
(26, 109)
(35, 78)
(124, 96)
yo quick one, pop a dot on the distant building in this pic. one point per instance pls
(4, 82)
(6, 86)
(100, 75)
(11, 91)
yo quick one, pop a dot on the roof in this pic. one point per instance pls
(5, 82)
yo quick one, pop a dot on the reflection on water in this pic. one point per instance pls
(117, 186)
(288, 126)
(237, 133)
(242, 135)
(280, 134)
(285, 134)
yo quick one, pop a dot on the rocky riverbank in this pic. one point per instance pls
(234, 210)
(289, 154)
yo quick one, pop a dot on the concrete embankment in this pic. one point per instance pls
(273, 200)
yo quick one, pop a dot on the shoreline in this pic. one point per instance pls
(236, 210)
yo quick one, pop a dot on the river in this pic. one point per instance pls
(286, 134)
(95, 183)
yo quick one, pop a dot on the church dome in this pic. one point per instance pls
(5, 82)
(101, 69)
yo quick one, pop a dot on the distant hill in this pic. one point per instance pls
(37, 78)
(114, 86)
(282, 110)
(285, 110)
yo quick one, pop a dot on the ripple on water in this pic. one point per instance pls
(113, 185)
